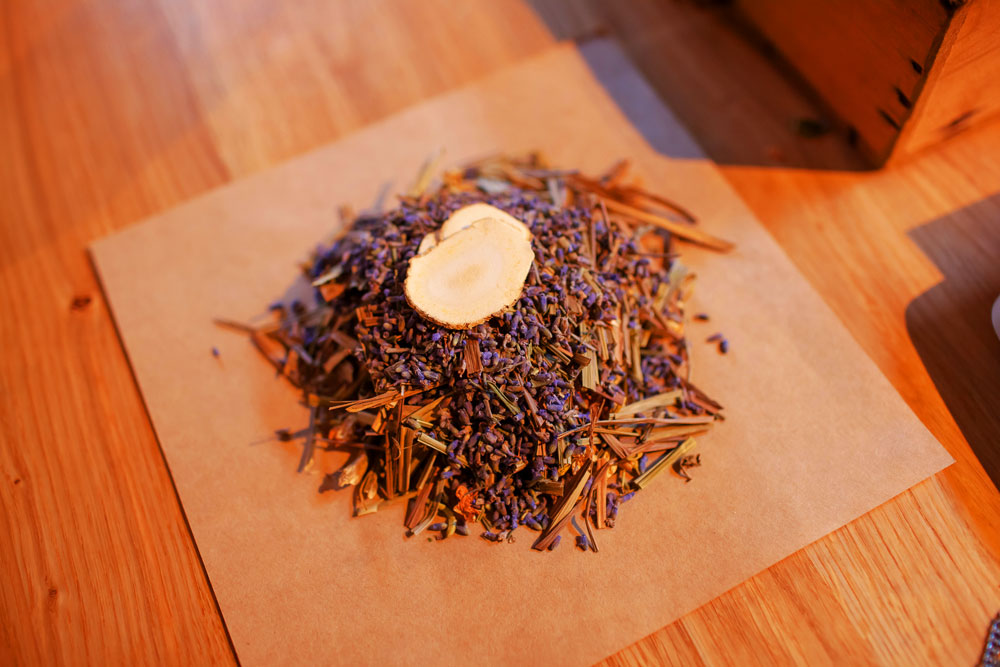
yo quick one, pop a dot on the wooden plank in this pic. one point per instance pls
(98, 563)
(965, 91)
(902, 75)
(108, 112)
(778, 487)
(94, 517)
(862, 58)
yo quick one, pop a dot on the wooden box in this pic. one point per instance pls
(900, 74)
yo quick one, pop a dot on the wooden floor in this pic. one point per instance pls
(113, 110)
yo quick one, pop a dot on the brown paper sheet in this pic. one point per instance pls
(815, 435)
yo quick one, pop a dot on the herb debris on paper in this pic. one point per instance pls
(556, 393)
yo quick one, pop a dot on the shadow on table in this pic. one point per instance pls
(950, 324)
(726, 86)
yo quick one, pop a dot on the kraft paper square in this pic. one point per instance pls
(814, 437)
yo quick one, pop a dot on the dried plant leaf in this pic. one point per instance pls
(309, 447)
(666, 399)
(663, 444)
(418, 507)
(329, 276)
(615, 444)
(663, 463)
(549, 486)
(600, 491)
(590, 375)
(615, 175)
(493, 186)
(270, 348)
(426, 174)
(671, 432)
(636, 193)
(353, 471)
(433, 443)
(368, 403)
(473, 357)
(427, 409)
(564, 508)
(680, 230)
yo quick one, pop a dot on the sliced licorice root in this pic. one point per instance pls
(464, 217)
(471, 274)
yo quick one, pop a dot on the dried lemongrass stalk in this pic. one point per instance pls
(471, 275)
(681, 230)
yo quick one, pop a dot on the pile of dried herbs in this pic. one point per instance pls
(561, 407)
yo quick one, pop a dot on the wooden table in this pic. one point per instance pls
(111, 111)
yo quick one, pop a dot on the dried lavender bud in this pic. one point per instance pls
(563, 403)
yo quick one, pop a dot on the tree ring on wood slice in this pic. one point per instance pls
(470, 275)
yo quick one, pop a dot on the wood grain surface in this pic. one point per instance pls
(964, 91)
(833, 44)
(111, 111)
